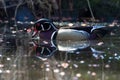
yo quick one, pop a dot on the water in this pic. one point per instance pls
(83, 60)
(97, 60)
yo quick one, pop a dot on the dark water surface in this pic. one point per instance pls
(97, 60)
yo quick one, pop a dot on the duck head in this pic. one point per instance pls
(44, 25)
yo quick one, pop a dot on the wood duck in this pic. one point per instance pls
(48, 32)
(64, 39)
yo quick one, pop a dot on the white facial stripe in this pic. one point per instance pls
(48, 50)
(49, 27)
(42, 50)
(42, 27)
(53, 26)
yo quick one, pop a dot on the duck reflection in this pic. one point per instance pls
(82, 48)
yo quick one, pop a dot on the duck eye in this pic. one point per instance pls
(46, 26)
